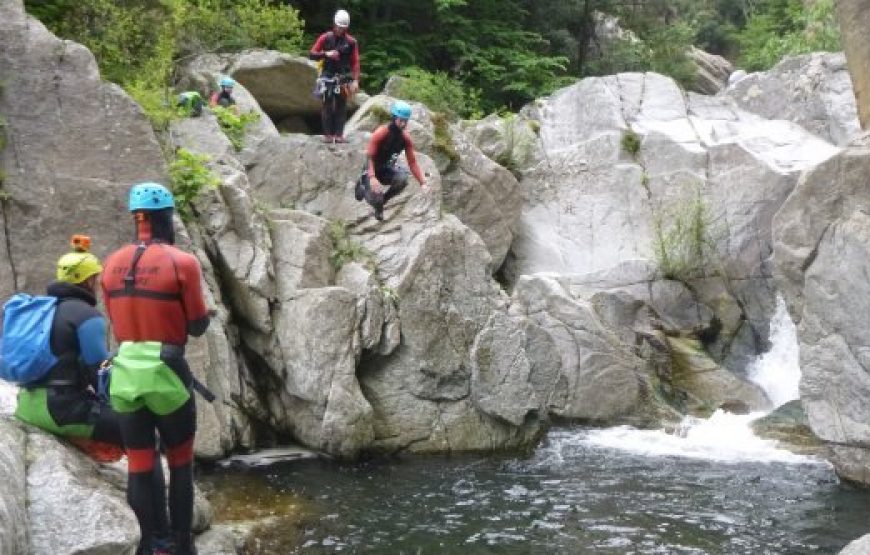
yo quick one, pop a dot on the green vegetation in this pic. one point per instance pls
(788, 28)
(517, 144)
(234, 125)
(345, 249)
(442, 141)
(189, 176)
(684, 241)
(438, 92)
(630, 142)
(380, 113)
(461, 57)
(138, 42)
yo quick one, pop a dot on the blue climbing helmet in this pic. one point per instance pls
(150, 196)
(401, 109)
(227, 82)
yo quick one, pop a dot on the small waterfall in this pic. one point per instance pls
(724, 437)
(778, 370)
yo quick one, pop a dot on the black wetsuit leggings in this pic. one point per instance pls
(334, 114)
(393, 179)
(176, 433)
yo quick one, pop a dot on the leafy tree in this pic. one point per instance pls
(777, 28)
(438, 91)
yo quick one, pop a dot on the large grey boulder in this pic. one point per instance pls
(854, 18)
(74, 146)
(282, 85)
(591, 205)
(821, 238)
(599, 375)
(13, 500)
(71, 507)
(813, 90)
(711, 71)
(861, 546)
(616, 160)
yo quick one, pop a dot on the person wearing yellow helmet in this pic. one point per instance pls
(65, 401)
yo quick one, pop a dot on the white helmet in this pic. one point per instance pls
(342, 18)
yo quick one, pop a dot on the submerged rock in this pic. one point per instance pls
(789, 425)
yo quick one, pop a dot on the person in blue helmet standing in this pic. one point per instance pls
(223, 97)
(154, 299)
(382, 170)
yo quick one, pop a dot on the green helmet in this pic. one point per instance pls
(75, 267)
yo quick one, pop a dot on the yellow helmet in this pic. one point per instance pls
(75, 267)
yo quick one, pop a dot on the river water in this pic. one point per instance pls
(711, 488)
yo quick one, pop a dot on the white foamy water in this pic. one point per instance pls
(723, 437)
(778, 371)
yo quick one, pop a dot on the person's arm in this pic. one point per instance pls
(371, 152)
(92, 345)
(354, 63)
(316, 52)
(213, 100)
(412, 160)
(190, 276)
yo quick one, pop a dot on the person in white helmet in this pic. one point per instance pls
(340, 54)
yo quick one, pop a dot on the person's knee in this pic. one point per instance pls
(181, 454)
(399, 184)
(140, 460)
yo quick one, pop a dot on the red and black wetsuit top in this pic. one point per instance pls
(164, 302)
(348, 60)
(386, 144)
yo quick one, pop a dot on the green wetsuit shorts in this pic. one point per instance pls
(142, 378)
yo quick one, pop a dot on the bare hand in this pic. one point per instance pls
(425, 188)
(332, 54)
(376, 186)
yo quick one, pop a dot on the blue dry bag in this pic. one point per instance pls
(25, 349)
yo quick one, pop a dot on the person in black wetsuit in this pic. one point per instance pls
(339, 52)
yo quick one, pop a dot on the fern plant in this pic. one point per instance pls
(189, 177)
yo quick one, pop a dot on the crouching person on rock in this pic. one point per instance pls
(65, 401)
(382, 170)
(154, 299)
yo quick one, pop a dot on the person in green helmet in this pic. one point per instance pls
(65, 402)
(191, 103)
(153, 295)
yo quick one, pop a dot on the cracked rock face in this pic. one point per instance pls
(591, 204)
(74, 146)
(821, 237)
(813, 90)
